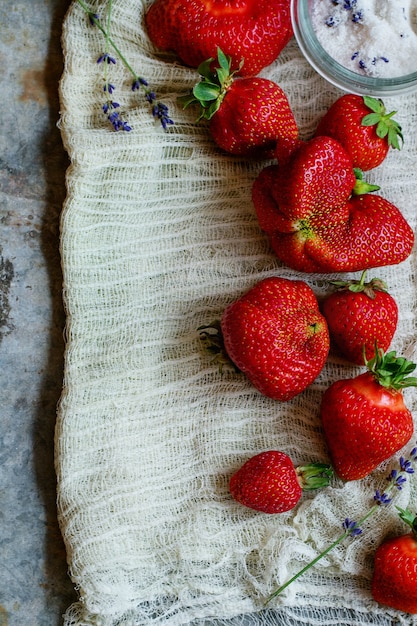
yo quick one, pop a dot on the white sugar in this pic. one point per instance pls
(370, 37)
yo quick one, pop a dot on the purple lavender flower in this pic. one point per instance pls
(160, 111)
(109, 88)
(396, 479)
(406, 466)
(357, 17)
(106, 58)
(138, 83)
(381, 498)
(92, 17)
(332, 21)
(351, 527)
(150, 96)
(109, 105)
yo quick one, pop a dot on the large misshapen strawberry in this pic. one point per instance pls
(365, 419)
(363, 127)
(394, 580)
(277, 336)
(253, 30)
(247, 115)
(320, 216)
(269, 482)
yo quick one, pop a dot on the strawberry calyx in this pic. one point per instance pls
(385, 126)
(213, 85)
(391, 371)
(212, 337)
(409, 518)
(361, 286)
(314, 476)
(361, 186)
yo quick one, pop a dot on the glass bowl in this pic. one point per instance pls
(334, 72)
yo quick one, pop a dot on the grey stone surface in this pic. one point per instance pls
(34, 586)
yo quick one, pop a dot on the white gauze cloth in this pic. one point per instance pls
(158, 236)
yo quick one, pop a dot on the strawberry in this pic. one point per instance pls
(270, 483)
(394, 580)
(247, 115)
(359, 315)
(277, 336)
(254, 30)
(365, 420)
(363, 127)
(320, 216)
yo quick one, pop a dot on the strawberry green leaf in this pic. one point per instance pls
(371, 120)
(385, 126)
(361, 186)
(206, 91)
(224, 61)
(213, 85)
(409, 518)
(314, 476)
(390, 370)
(374, 104)
(204, 69)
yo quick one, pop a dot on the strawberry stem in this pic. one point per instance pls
(314, 476)
(361, 186)
(409, 518)
(213, 86)
(212, 337)
(390, 370)
(361, 286)
(385, 126)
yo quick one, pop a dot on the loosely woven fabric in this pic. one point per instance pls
(158, 236)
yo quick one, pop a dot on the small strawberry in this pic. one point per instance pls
(363, 127)
(320, 216)
(277, 336)
(247, 115)
(254, 30)
(270, 483)
(359, 315)
(365, 420)
(394, 581)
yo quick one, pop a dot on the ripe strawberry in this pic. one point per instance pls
(394, 581)
(277, 336)
(247, 115)
(363, 127)
(320, 218)
(359, 315)
(270, 483)
(254, 30)
(365, 420)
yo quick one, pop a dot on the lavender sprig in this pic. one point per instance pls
(397, 479)
(158, 109)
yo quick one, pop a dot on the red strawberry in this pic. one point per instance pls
(363, 127)
(247, 115)
(277, 336)
(394, 581)
(270, 483)
(254, 30)
(359, 315)
(365, 420)
(321, 219)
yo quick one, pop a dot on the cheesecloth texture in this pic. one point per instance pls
(158, 236)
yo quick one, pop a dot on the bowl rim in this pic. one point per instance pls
(335, 73)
